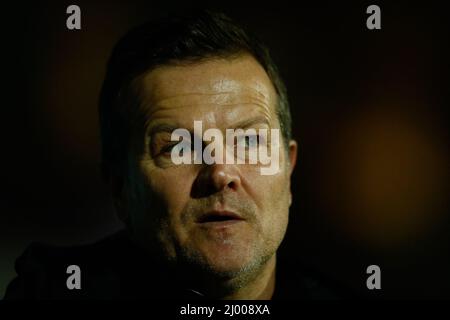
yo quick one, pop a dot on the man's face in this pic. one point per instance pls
(178, 209)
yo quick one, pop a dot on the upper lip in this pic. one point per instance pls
(217, 215)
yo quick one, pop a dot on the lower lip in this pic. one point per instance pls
(220, 224)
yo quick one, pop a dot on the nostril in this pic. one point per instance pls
(232, 185)
(213, 179)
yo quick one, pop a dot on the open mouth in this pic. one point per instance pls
(216, 216)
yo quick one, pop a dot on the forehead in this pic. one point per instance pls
(212, 86)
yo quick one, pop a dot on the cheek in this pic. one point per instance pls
(167, 188)
(277, 212)
(268, 191)
(276, 197)
(165, 196)
(272, 195)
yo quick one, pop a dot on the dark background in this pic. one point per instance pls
(370, 111)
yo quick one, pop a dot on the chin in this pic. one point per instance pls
(226, 258)
(228, 268)
(232, 263)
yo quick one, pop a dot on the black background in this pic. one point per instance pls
(370, 111)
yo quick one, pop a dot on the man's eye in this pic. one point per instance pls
(248, 141)
(168, 148)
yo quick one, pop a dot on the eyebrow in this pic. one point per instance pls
(164, 127)
(252, 121)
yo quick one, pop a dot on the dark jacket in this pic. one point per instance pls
(114, 268)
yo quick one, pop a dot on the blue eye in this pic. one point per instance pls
(248, 140)
(168, 148)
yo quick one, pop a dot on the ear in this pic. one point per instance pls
(292, 154)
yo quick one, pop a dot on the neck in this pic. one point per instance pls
(261, 287)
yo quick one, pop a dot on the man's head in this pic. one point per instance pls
(165, 76)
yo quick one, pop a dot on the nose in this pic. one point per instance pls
(216, 178)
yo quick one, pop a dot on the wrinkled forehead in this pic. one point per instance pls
(208, 87)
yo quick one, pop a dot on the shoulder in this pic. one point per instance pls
(42, 269)
(298, 280)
